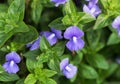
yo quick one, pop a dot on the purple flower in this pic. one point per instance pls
(116, 24)
(92, 3)
(74, 34)
(94, 11)
(58, 2)
(92, 8)
(11, 65)
(53, 36)
(69, 70)
(34, 45)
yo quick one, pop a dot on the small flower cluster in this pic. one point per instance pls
(72, 33)
(92, 8)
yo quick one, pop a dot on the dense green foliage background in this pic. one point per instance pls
(21, 21)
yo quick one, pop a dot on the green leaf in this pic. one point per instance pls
(8, 28)
(47, 3)
(110, 71)
(113, 39)
(44, 44)
(104, 3)
(78, 58)
(85, 18)
(2, 56)
(33, 64)
(98, 43)
(112, 7)
(98, 61)
(49, 81)
(4, 37)
(57, 24)
(43, 58)
(3, 7)
(92, 40)
(54, 65)
(32, 60)
(1, 69)
(8, 77)
(107, 73)
(77, 18)
(17, 8)
(59, 48)
(21, 27)
(69, 7)
(32, 54)
(112, 82)
(36, 10)
(30, 79)
(26, 37)
(88, 72)
(21, 81)
(49, 73)
(102, 21)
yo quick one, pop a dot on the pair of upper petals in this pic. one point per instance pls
(13, 56)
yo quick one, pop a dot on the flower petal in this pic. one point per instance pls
(52, 39)
(86, 9)
(29, 45)
(118, 30)
(70, 71)
(95, 10)
(13, 56)
(11, 67)
(64, 63)
(35, 44)
(75, 45)
(92, 3)
(116, 22)
(58, 33)
(73, 31)
(58, 2)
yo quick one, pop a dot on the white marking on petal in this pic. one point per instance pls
(68, 68)
(11, 63)
(51, 36)
(74, 39)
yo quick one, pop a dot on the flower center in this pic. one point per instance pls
(11, 63)
(51, 36)
(68, 68)
(74, 39)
